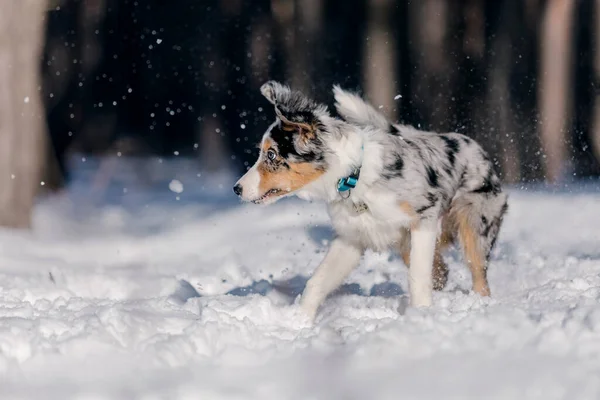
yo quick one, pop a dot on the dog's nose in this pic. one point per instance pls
(237, 189)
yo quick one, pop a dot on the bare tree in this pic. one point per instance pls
(525, 44)
(22, 124)
(432, 45)
(380, 64)
(555, 87)
(498, 99)
(595, 134)
(298, 21)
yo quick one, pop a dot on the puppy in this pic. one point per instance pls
(386, 186)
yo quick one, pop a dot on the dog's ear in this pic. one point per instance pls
(281, 97)
(306, 131)
(274, 91)
(297, 112)
(292, 124)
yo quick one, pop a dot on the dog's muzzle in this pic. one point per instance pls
(247, 187)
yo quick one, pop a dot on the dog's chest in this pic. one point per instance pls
(376, 223)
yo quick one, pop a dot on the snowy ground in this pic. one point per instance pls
(127, 292)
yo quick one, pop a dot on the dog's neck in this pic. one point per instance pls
(345, 149)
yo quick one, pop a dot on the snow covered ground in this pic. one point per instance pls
(136, 291)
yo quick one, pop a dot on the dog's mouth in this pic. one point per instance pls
(269, 194)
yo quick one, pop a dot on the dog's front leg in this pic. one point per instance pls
(340, 260)
(422, 251)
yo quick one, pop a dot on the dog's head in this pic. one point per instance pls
(292, 154)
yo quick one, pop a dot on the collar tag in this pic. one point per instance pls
(360, 208)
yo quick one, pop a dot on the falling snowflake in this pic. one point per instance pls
(176, 186)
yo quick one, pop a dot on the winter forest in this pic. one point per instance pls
(130, 270)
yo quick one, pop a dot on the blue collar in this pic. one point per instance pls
(350, 181)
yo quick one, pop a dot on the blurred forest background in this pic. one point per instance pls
(180, 78)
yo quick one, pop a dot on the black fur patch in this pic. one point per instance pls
(486, 226)
(490, 185)
(489, 253)
(432, 199)
(395, 169)
(284, 141)
(394, 131)
(285, 144)
(496, 223)
(424, 208)
(398, 165)
(504, 209)
(415, 146)
(452, 147)
(303, 116)
(432, 177)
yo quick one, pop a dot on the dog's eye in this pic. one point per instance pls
(271, 155)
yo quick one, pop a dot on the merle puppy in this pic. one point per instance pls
(385, 185)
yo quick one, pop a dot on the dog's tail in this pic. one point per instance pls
(355, 110)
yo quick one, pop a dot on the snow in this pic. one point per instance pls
(176, 186)
(139, 296)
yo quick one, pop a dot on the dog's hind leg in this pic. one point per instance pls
(340, 260)
(477, 218)
(440, 269)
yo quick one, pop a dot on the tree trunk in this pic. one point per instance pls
(525, 43)
(500, 113)
(22, 124)
(555, 85)
(308, 15)
(595, 134)
(434, 47)
(299, 22)
(380, 62)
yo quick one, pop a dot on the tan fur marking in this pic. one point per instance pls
(474, 256)
(287, 180)
(266, 145)
(306, 131)
(410, 211)
(292, 126)
(407, 208)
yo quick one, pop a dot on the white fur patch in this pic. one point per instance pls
(421, 265)
(250, 183)
(356, 110)
(340, 260)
